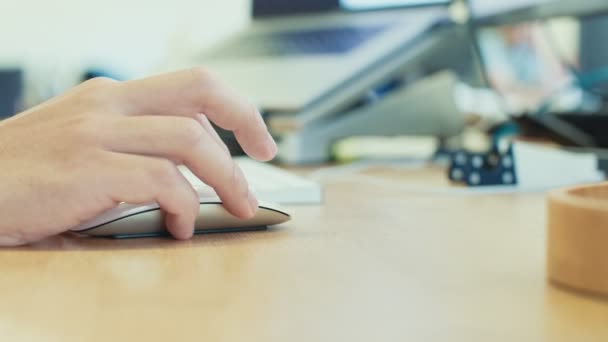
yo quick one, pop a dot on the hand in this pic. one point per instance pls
(106, 142)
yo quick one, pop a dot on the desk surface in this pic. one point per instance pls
(402, 265)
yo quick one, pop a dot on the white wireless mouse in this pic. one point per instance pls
(132, 221)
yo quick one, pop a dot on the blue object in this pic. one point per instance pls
(483, 169)
(11, 92)
(332, 40)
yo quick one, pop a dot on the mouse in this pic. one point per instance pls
(146, 220)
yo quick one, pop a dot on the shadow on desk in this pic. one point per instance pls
(74, 242)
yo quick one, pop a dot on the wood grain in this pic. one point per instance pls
(577, 233)
(376, 262)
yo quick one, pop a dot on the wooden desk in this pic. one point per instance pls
(375, 263)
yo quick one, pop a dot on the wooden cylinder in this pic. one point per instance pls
(577, 251)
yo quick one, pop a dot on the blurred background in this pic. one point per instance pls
(479, 70)
(55, 43)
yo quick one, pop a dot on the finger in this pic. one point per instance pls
(185, 141)
(139, 179)
(194, 91)
(204, 122)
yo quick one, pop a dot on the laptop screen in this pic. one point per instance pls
(265, 8)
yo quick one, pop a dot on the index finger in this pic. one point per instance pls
(194, 91)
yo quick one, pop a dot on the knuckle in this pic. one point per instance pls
(96, 92)
(100, 82)
(191, 131)
(164, 172)
(201, 75)
(202, 79)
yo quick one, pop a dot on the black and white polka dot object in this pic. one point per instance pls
(483, 169)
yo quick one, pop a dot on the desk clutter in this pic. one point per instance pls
(525, 166)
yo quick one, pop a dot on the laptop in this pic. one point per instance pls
(295, 52)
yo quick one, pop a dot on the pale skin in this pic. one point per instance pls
(106, 142)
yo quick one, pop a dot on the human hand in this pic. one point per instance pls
(106, 142)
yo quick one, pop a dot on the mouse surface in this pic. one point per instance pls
(130, 221)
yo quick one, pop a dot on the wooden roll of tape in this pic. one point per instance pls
(577, 253)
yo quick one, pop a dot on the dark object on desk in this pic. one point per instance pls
(596, 126)
(11, 92)
(591, 128)
(483, 169)
(562, 129)
(569, 129)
